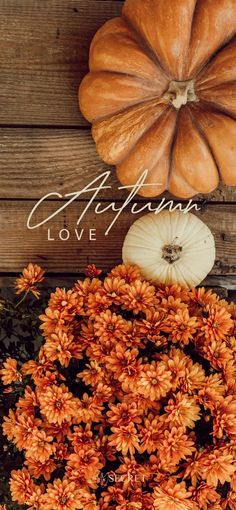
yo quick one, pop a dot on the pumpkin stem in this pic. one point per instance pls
(180, 93)
(171, 253)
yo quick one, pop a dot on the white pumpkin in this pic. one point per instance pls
(171, 247)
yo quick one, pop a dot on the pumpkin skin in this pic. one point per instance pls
(161, 94)
(171, 248)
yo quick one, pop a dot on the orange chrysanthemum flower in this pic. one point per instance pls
(109, 326)
(36, 500)
(205, 495)
(27, 282)
(140, 296)
(155, 381)
(225, 418)
(128, 273)
(218, 323)
(110, 389)
(62, 495)
(218, 466)
(173, 496)
(85, 460)
(150, 434)
(58, 404)
(60, 346)
(182, 411)
(38, 468)
(123, 414)
(181, 326)
(9, 373)
(174, 445)
(125, 439)
(25, 428)
(21, 486)
(67, 302)
(115, 289)
(92, 271)
(41, 447)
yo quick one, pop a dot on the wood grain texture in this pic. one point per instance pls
(34, 162)
(44, 55)
(20, 246)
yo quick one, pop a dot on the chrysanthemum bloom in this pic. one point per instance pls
(205, 495)
(87, 461)
(21, 486)
(132, 474)
(28, 402)
(109, 326)
(60, 346)
(88, 410)
(218, 466)
(52, 320)
(125, 439)
(9, 423)
(140, 296)
(27, 282)
(155, 381)
(150, 433)
(67, 302)
(127, 272)
(123, 414)
(36, 500)
(173, 496)
(9, 373)
(92, 271)
(25, 428)
(225, 418)
(115, 288)
(62, 495)
(38, 468)
(58, 404)
(217, 324)
(92, 374)
(41, 447)
(134, 387)
(175, 445)
(123, 362)
(152, 327)
(182, 411)
(181, 327)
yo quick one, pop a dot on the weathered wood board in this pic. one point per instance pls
(19, 246)
(46, 145)
(34, 162)
(44, 55)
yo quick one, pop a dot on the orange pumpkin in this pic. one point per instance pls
(161, 94)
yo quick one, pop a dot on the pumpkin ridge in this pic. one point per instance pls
(172, 147)
(189, 44)
(202, 134)
(150, 97)
(167, 111)
(220, 108)
(121, 114)
(146, 133)
(204, 79)
(213, 108)
(197, 64)
(146, 48)
(220, 115)
(214, 55)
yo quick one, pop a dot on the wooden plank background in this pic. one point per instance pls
(46, 144)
